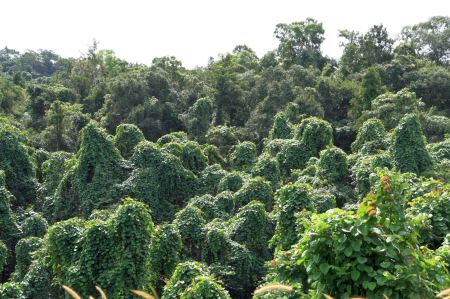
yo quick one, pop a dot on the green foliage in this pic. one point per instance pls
(165, 249)
(189, 222)
(127, 137)
(25, 249)
(204, 287)
(207, 205)
(251, 227)
(409, 146)
(371, 137)
(268, 168)
(112, 253)
(90, 183)
(10, 290)
(213, 154)
(182, 278)
(232, 181)
(17, 165)
(159, 180)
(391, 108)
(333, 165)
(35, 225)
(210, 178)
(315, 134)
(436, 206)
(52, 171)
(243, 156)
(300, 42)
(289, 200)
(365, 167)
(10, 230)
(281, 128)
(198, 118)
(3, 255)
(255, 189)
(371, 254)
(223, 137)
(193, 157)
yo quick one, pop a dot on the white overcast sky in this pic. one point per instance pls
(191, 30)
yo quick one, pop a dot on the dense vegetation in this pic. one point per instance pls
(291, 169)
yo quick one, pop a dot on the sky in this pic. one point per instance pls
(192, 30)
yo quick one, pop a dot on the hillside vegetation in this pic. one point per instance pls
(293, 174)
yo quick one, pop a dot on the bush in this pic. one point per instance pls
(90, 183)
(213, 154)
(251, 227)
(409, 146)
(210, 178)
(315, 134)
(436, 206)
(193, 157)
(189, 222)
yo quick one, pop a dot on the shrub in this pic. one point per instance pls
(189, 222)
(223, 137)
(193, 157)
(213, 154)
(251, 227)
(436, 206)
(315, 135)
(90, 183)
(3, 255)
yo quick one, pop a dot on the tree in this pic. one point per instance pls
(198, 118)
(300, 43)
(431, 39)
